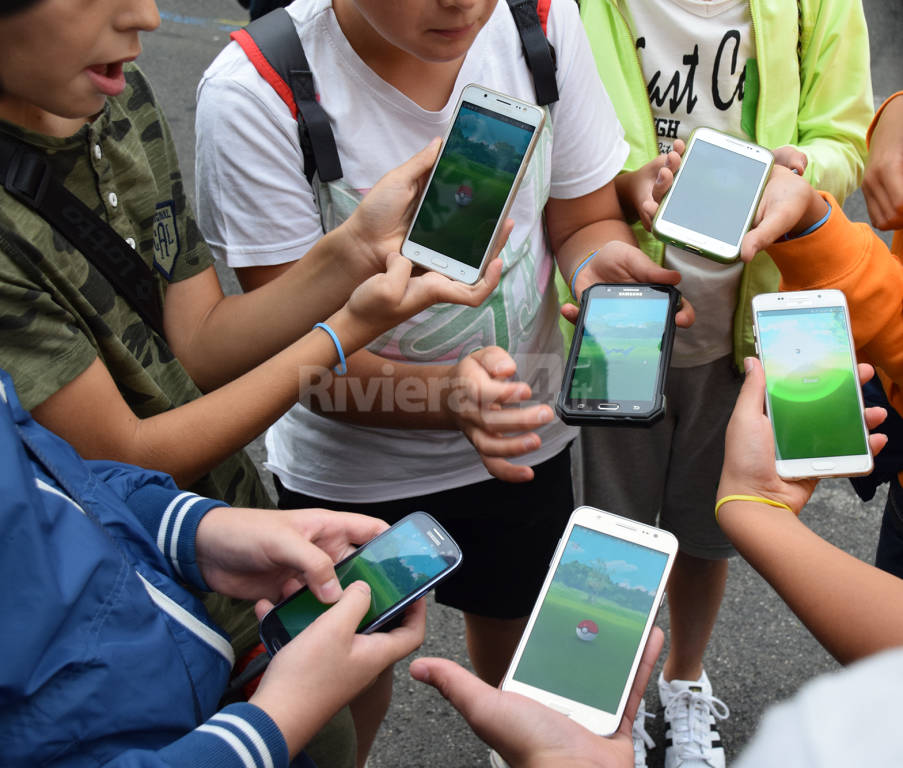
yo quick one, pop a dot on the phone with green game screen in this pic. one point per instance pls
(813, 396)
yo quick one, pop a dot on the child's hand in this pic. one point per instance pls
(391, 297)
(485, 405)
(791, 158)
(637, 188)
(619, 262)
(526, 733)
(882, 184)
(255, 553)
(789, 205)
(378, 225)
(329, 664)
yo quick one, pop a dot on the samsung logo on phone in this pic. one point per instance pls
(632, 295)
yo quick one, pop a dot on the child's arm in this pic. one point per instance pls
(835, 98)
(188, 441)
(882, 184)
(849, 606)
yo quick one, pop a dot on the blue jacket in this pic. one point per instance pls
(105, 658)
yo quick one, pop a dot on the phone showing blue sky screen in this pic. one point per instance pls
(620, 350)
(468, 191)
(589, 627)
(811, 383)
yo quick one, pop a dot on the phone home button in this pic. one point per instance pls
(823, 466)
(608, 406)
(437, 262)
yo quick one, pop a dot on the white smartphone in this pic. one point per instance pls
(711, 204)
(586, 635)
(813, 396)
(473, 183)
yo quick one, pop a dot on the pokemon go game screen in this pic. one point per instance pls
(394, 566)
(810, 383)
(620, 349)
(468, 191)
(592, 618)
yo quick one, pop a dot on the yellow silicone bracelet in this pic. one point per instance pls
(744, 497)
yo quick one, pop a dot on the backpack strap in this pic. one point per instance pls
(27, 176)
(275, 50)
(531, 17)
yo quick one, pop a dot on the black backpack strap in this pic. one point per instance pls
(27, 176)
(538, 51)
(275, 50)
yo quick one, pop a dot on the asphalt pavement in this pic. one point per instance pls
(759, 653)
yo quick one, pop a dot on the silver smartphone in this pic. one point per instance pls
(813, 396)
(473, 183)
(586, 634)
(711, 204)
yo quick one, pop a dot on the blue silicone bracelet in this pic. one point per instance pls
(810, 230)
(341, 369)
(580, 266)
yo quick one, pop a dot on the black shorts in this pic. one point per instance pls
(507, 532)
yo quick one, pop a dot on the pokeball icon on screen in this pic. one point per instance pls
(587, 630)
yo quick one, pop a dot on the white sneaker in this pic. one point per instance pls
(691, 738)
(641, 738)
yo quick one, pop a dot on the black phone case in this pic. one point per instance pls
(595, 418)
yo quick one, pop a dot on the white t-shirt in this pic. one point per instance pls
(693, 54)
(848, 718)
(256, 208)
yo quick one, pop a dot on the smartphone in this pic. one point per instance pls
(711, 204)
(812, 385)
(401, 565)
(473, 183)
(586, 634)
(620, 352)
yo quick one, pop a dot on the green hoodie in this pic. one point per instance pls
(812, 90)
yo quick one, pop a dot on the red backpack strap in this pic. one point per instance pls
(274, 48)
(263, 67)
(542, 10)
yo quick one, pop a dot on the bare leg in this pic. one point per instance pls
(491, 644)
(695, 589)
(368, 711)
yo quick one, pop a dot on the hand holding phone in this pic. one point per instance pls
(471, 188)
(619, 357)
(713, 199)
(330, 664)
(813, 397)
(585, 637)
(401, 565)
(521, 729)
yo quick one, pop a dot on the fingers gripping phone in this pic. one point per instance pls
(711, 204)
(586, 634)
(619, 355)
(401, 565)
(473, 183)
(813, 397)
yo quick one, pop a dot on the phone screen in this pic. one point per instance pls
(468, 191)
(811, 382)
(394, 565)
(715, 192)
(591, 621)
(620, 349)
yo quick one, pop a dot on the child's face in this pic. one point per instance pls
(64, 57)
(429, 30)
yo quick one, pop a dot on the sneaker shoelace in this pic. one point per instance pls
(688, 713)
(641, 738)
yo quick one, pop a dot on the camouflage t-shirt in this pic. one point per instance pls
(58, 313)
